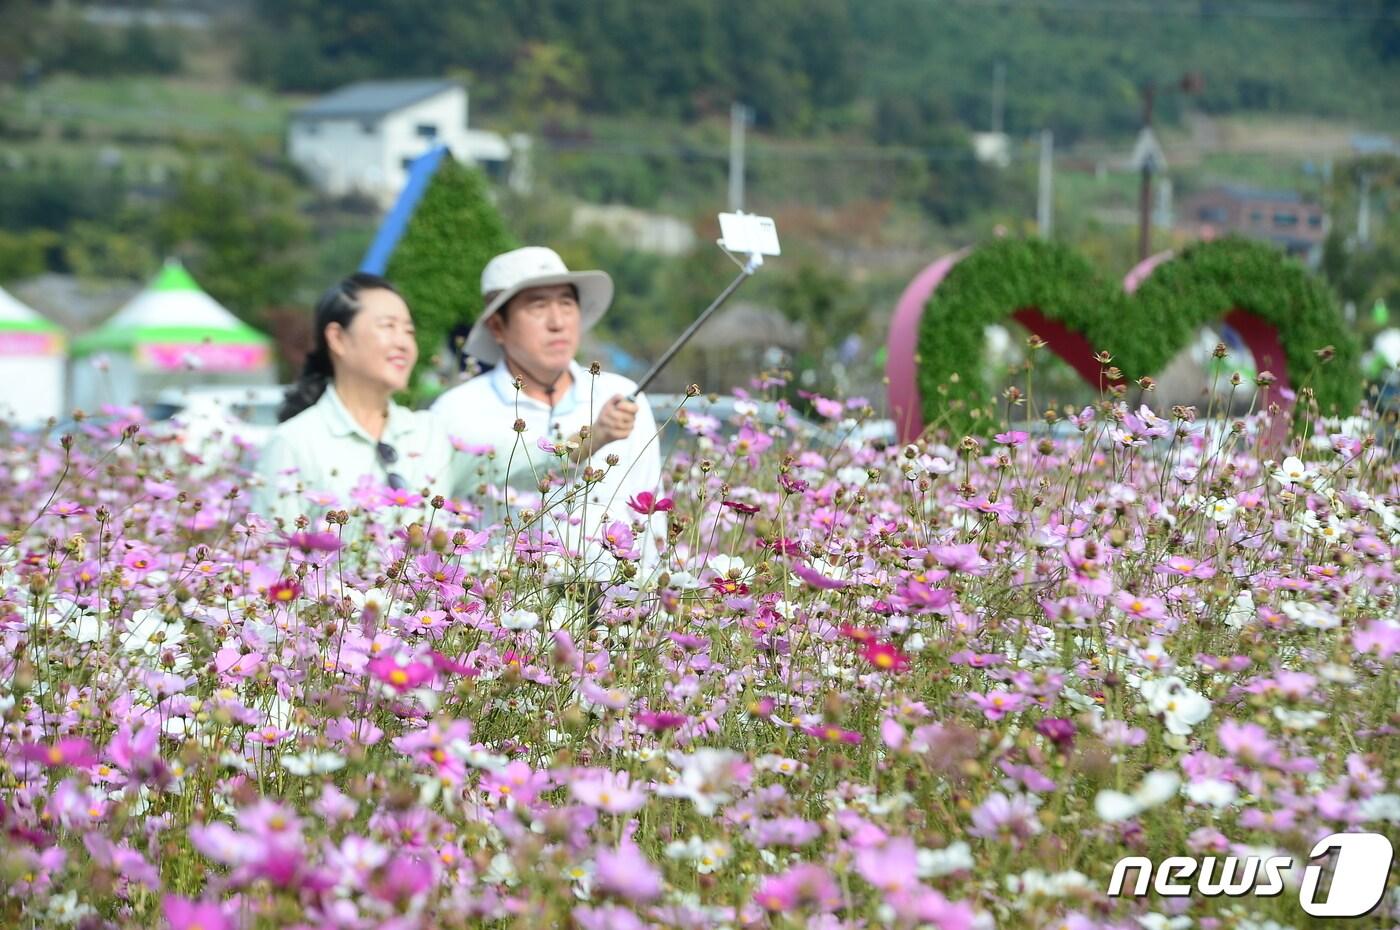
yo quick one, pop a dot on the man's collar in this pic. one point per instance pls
(503, 383)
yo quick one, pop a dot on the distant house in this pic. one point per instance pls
(1282, 217)
(361, 138)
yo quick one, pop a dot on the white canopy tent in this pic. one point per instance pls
(31, 364)
(172, 334)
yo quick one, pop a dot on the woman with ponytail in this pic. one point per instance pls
(341, 433)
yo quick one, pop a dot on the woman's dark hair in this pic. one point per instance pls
(337, 305)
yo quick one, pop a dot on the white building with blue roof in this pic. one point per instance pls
(361, 138)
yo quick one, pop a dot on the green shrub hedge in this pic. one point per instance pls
(1142, 331)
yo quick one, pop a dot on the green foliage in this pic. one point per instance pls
(802, 64)
(1210, 278)
(453, 234)
(237, 230)
(39, 39)
(1142, 331)
(23, 255)
(790, 59)
(96, 250)
(54, 199)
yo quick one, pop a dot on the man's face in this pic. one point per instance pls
(540, 328)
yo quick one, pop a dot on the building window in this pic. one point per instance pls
(1213, 214)
(406, 163)
(1286, 220)
(426, 131)
(1256, 217)
(1315, 221)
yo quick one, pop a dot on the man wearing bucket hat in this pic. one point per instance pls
(535, 312)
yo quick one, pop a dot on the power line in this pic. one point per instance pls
(836, 152)
(1274, 11)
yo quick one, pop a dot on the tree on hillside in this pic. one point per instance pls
(437, 266)
(236, 228)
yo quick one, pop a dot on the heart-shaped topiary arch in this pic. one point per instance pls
(937, 337)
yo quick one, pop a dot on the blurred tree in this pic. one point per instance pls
(238, 231)
(548, 85)
(121, 249)
(23, 255)
(437, 266)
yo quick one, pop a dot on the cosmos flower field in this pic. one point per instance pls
(941, 685)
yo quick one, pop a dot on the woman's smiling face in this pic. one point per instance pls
(378, 346)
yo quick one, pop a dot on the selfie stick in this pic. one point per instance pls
(740, 232)
(754, 261)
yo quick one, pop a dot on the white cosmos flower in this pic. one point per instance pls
(150, 632)
(501, 872)
(705, 777)
(1292, 471)
(1157, 788)
(520, 619)
(1242, 611)
(1212, 791)
(933, 863)
(708, 855)
(1180, 707)
(313, 761)
(685, 580)
(1313, 616)
(730, 566)
(86, 628)
(1222, 509)
(1298, 719)
(1384, 807)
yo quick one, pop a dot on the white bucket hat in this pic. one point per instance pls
(533, 266)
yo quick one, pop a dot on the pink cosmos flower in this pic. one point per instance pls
(612, 792)
(402, 677)
(403, 879)
(284, 591)
(829, 733)
(185, 914)
(1185, 567)
(661, 721)
(891, 867)
(806, 886)
(313, 542)
(1003, 817)
(1248, 742)
(618, 537)
(606, 918)
(73, 751)
(646, 502)
(1058, 730)
(885, 657)
(1140, 606)
(1381, 637)
(627, 873)
(999, 703)
(817, 579)
(518, 781)
(922, 597)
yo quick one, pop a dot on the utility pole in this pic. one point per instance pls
(1149, 158)
(738, 120)
(1045, 202)
(1149, 92)
(998, 96)
(1363, 210)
